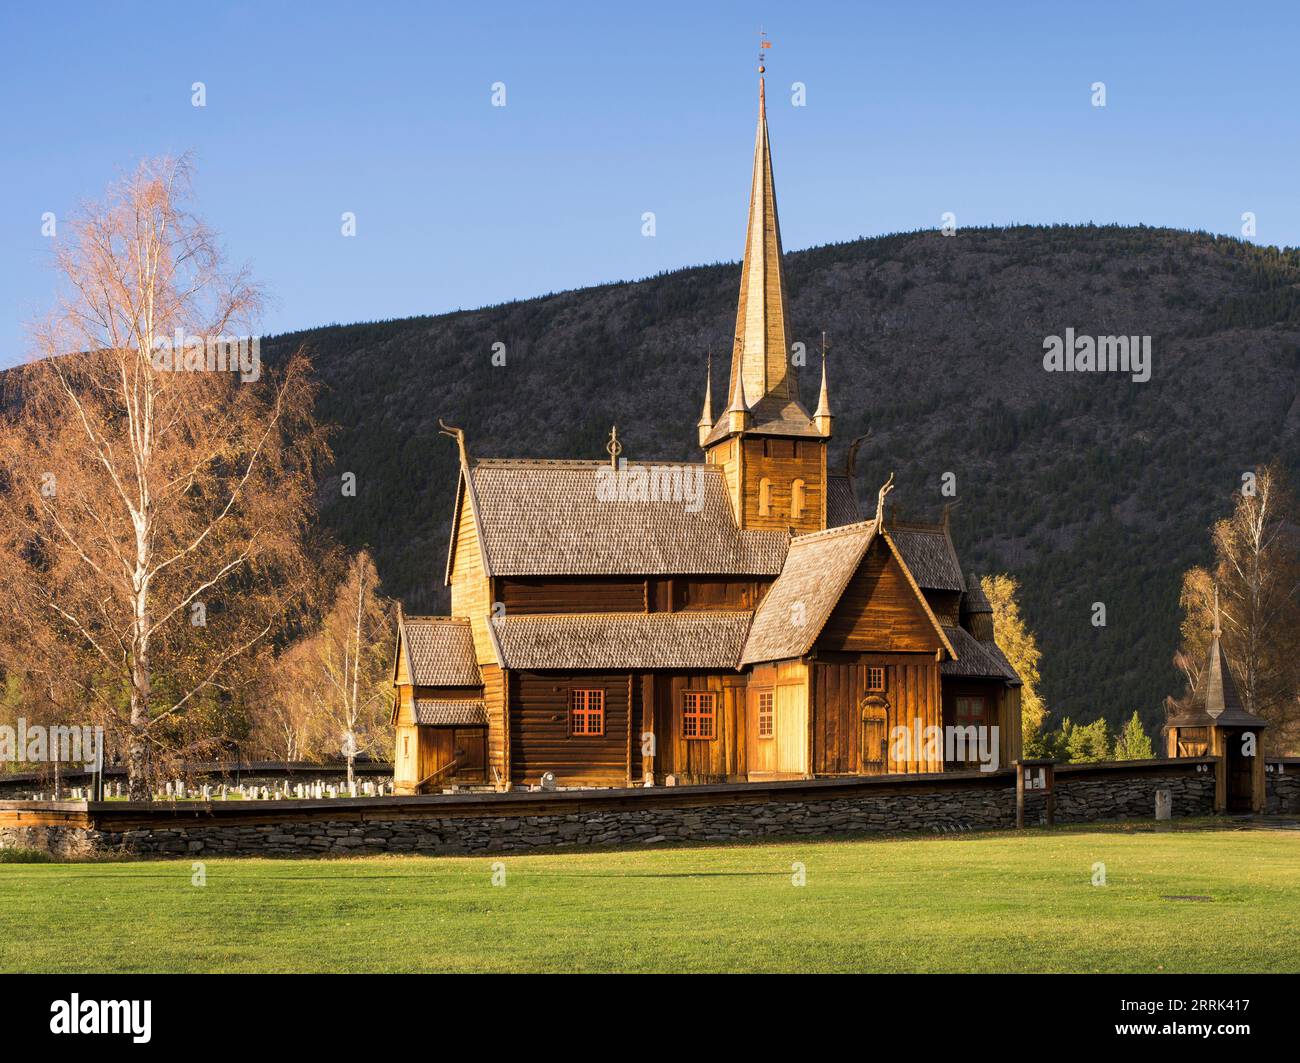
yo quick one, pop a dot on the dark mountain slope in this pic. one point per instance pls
(1089, 487)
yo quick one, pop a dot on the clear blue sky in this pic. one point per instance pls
(384, 109)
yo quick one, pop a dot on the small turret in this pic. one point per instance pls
(705, 425)
(822, 416)
(737, 408)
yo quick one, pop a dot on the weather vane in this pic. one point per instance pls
(614, 447)
(763, 45)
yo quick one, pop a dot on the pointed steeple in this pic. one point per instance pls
(705, 425)
(1216, 697)
(761, 352)
(737, 406)
(761, 370)
(1217, 692)
(822, 416)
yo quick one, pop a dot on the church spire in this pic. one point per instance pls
(761, 353)
(705, 425)
(822, 415)
(737, 405)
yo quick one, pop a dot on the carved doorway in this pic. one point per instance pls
(873, 727)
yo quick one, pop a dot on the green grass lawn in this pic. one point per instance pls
(981, 902)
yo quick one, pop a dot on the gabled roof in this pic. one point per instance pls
(976, 659)
(841, 502)
(439, 651)
(450, 712)
(817, 570)
(542, 518)
(930, 555)
(795, 608)
(622, 640)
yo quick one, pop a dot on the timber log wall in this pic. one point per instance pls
(489, 823)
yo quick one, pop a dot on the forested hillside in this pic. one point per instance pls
(1088, 487)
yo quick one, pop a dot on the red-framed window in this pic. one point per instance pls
(972, 711)
(698, 714)
(766, 714)
(587, 712)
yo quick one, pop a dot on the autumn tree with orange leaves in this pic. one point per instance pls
(155, 483)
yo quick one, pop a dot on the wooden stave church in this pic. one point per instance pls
(770, 633)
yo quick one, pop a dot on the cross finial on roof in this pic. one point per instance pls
(613, 447)
(1217, 630)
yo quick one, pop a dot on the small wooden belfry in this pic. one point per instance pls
(1215, 723)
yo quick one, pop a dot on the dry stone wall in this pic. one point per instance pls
(516, 822)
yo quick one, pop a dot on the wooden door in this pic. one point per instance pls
(791, 730)
(1240, 773)
(470, 749)
(873, 736)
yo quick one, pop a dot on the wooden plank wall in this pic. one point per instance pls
(573, 595)
(946, 605)
(879, 611)
(788, 681)
(697, 760)
(545, 595)
(471, 594)
(912, 690)
(775, 459)
(690, 594)
(1004, 702)
(728, 455)
(494, 703)
(1012, 735)
(406, 758)
(539, 739)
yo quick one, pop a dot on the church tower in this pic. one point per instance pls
(773, 452)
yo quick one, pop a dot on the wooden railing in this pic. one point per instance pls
(438, 773)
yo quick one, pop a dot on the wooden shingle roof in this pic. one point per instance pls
(543, 518)
(841, 503)
(795, 609)
(440, 651)
(976, 659)
(929, 554)
(622, 640)
(1216, 699)
(975, 600)
(817, 569)
(450, 712)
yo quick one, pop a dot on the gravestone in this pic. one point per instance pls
(1164, 804)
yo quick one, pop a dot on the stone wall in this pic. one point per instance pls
(69, 842)
(1081, 798)
(517, 821)
(1282, 786)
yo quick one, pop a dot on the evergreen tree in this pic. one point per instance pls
(1088, 743)
(1133, 743)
